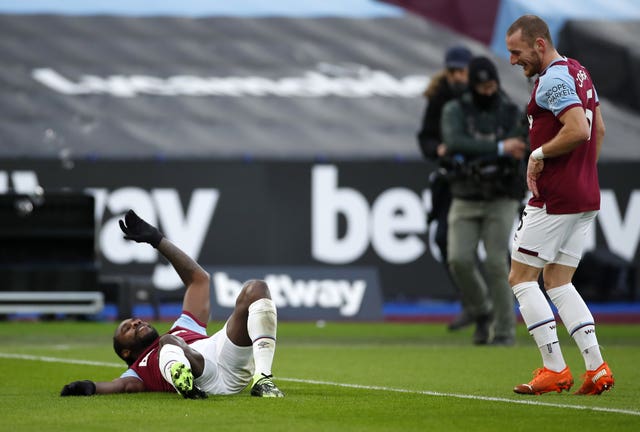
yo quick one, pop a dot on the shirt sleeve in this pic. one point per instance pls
(130, 373)
(187, 322)
(557, 91)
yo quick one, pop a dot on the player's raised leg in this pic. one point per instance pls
(254, 323)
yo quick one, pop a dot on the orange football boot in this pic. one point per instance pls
(545, 381)
(596, 381)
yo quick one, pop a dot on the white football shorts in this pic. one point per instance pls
(228, 367)
(543, 238)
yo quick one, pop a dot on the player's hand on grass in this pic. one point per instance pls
(140, 231)
(79, 388)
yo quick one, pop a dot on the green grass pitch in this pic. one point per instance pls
(337, 377)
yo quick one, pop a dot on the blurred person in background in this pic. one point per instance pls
(566, 131)
(446, 85)
(185, 359)
(483, 133)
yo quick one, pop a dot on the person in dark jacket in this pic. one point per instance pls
(484, 134)
(446, 85)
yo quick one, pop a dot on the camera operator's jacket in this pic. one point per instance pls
(476, 170)
(429, 136)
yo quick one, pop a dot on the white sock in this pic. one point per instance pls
(170, 354)
(541, 323)
(262, 326)
(579, 323)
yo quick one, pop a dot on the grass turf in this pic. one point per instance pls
(340, 376)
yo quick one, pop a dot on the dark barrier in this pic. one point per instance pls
(47, 242)
(48, 253)
(293, 215)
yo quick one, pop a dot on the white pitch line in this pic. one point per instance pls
(59, 360)
(355, 386)
(466, 396)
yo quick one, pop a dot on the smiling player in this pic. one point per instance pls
(185, 359)
(566, 131)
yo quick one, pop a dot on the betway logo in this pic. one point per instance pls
(346, 223)
(341, 294)
(363, 82)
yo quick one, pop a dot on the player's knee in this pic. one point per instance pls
(517, 279)
(253, 290)
(521, 275)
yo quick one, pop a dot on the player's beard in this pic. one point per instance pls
(147, 338)
(533, 66)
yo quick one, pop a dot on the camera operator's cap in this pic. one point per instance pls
(457, 57)
(482, 69)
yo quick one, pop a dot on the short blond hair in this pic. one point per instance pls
(532, 27)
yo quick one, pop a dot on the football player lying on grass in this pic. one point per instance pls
(186, 359)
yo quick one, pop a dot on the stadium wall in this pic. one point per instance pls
(298, 222)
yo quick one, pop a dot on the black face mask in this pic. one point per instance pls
(484, 102)
(457, 88)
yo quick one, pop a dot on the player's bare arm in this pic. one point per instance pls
(575, 131)
(600, 129)
(195, 278)
(120, 385)
(89, 388)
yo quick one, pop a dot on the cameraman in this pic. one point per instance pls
(483, 132)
